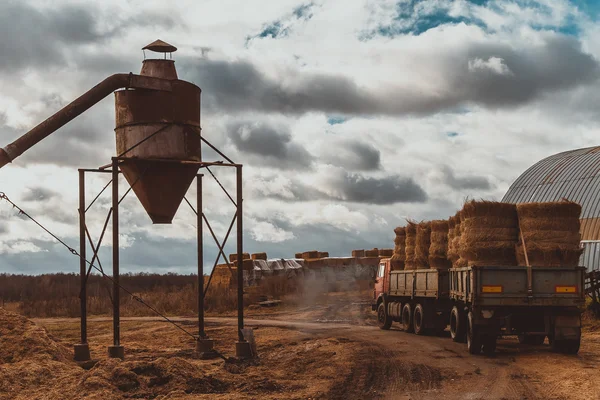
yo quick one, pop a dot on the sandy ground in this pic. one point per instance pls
(329, 351)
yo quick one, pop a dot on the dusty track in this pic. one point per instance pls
(396, 365)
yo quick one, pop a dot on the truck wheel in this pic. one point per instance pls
(419, 320)
(473, 336)
(566, 346)
(534, 340)
(489, 344)
(458, 325)
(407, 318)
(384, 321)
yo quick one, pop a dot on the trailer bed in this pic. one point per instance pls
(419, 283)
(508, 286)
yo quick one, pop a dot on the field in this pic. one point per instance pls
(330, 349)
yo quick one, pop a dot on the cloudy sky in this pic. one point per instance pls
(349, 116)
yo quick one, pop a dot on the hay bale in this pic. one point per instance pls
(386, 252)
(422, 244)
(456, 259)
(551, 234)
(451, 254)
(298, 255)
(323, 254)
(358, 253)
(259, 256)
(233, 257)
(438, 250)
(372, 253)
(488, 233)
(310, 254)
(397, 262)
(247, 264)
(409, 245)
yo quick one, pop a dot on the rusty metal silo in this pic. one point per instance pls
(154, 129)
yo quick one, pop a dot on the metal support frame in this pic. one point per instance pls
(203, 344)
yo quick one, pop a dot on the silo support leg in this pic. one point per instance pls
(82, 350)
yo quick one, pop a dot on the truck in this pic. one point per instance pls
(479, 304)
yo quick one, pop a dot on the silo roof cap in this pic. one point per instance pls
(160, 47)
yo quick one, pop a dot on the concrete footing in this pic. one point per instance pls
(116, 352)
(204, 348)
(243, 350)
(82, 352)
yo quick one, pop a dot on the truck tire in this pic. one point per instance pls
(489, 344)
(534, 340)
(419, 320)
(384, 321)
(474, 343)
(407, 318)
(566, 346)
(458, 325)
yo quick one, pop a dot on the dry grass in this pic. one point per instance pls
(438, 250)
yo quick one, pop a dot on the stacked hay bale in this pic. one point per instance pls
(459, 261)
(372, 253)
(399, 256)
(409, 245)
(452, 254)
(386, 252)
(489, 233)
(323, 254)
(551, 234)
(259, 256)
(233, 257)
(422, 244)
(358, 253)
(298, 255)
(307, 255)
(438, 250)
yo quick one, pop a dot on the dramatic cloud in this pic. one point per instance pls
(484, 73)
(387, 190)
(464, 182)
(271, 144)
(37, 37)
(39, 194)
(353, 155)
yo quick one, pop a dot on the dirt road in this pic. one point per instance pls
(396, 365)
(437, 368)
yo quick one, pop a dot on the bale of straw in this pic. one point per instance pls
(556, 209)
(358, 253)
(323, 254)
(409, 246)
(386, 252)
(247, 264)
(310, 254)
(372, 253)
(233, 257)
(397, 262)
(450, 253)
(438, 250)
(551, 234)
(298, 255)
(259, 256)
(422, 244)
(488, 233)
(454, 244)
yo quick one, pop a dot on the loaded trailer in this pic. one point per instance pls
(482, 303)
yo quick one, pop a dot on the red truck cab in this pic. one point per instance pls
(381, 281)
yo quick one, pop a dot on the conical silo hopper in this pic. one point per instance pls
(157, 135)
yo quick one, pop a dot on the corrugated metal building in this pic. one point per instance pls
(572, 175)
